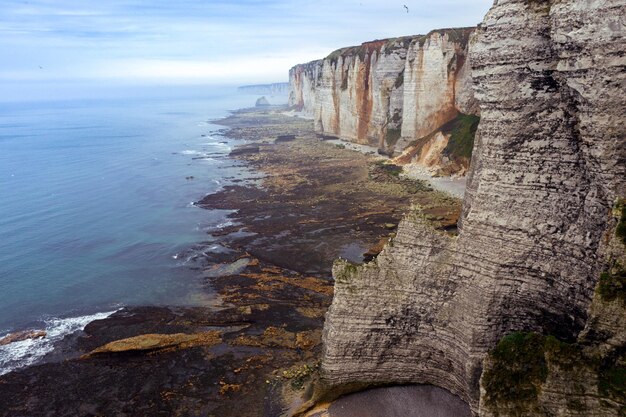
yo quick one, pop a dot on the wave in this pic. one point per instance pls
(191, 152)
(27, 352)
(199, 254)
(224, 224)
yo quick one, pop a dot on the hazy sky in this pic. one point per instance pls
(200, 41)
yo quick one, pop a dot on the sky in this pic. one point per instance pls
(133, 42)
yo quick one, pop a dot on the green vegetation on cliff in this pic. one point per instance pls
(392, 136)
(344, 271)
(612, 382)
(519, 368)
(462, 130)
(612, 284)
(520, 365)
(523, 364)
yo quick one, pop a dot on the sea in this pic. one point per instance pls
(96, 206)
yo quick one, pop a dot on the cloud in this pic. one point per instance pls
(247, 40)
(194, 71)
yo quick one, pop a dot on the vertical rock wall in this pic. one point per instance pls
(387, 93)
(302, 79)
(548, 166)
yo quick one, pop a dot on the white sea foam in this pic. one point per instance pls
(190, 152)
(224, 224)
(196, 254)
(216, 145)
(27, 352)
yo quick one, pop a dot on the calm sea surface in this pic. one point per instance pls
(95, 203)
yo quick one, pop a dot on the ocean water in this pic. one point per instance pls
(95, 206)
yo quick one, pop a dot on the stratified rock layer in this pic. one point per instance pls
(389, 92)
(548, 165)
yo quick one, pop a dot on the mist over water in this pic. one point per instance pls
(95, 201)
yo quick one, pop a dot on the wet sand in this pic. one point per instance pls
(407, 401)
(254, 353)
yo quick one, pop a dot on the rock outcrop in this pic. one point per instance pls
(262, 102)
(150, 343)
(387, 93)
(548, 166)
(20, 336)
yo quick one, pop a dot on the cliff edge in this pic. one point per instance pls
(394, 94)
(538, 224)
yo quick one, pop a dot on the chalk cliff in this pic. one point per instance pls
(274, 88)
(388, 93)
(538, 224)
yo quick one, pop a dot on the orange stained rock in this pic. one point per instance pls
(158, 342)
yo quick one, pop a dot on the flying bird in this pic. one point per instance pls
(406, 7)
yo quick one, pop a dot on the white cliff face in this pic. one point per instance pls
(387, 93)
(430, 77)
(302, 79)
(548, 166)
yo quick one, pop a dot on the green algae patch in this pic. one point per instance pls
(462, 131)
(519, 368)
(299, 375)
(388, 168)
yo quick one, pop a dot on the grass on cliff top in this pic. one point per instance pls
(361, 51)
(462, 131)
(343, 271)
(402, 42)
(456, 35)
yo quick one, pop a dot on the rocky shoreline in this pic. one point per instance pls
(271, 269)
